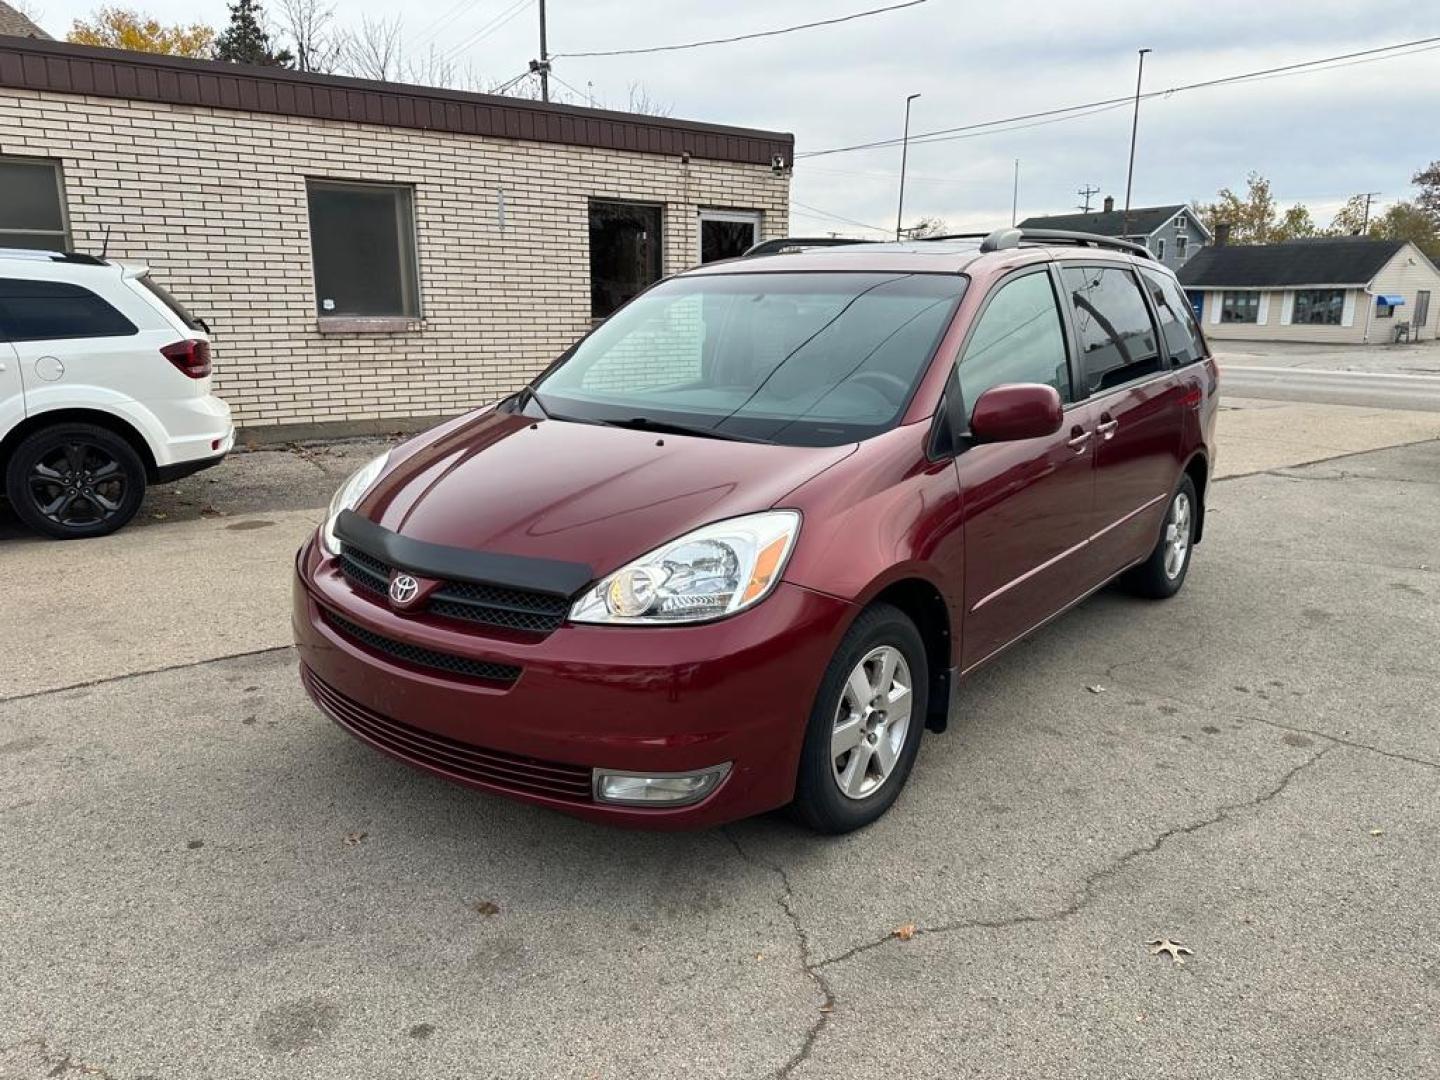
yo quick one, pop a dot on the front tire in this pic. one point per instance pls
(73, 481)
(1161, 575)
(866, 725)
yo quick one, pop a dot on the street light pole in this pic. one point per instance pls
(904, 153)
(1134, 130)
(544, 58)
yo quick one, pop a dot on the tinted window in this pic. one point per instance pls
(179, 310)
(1117, 338)
(625, 246)
(1177, 318)
(1017, 340)
(801, 359)
(46, 310)
(362, 238)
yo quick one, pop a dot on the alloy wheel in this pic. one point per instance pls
(77, 484)
(872, 720)
(1177, 536)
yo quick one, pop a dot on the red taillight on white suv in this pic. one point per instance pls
(190, 358)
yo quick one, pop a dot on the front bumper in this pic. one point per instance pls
(643, 700)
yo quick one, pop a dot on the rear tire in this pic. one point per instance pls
(1161, 575)
(73, 481)
(866, 724)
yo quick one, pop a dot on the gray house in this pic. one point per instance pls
(1172, 233)
(17, 24)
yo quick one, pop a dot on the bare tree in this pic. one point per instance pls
(642, 102)
(310, 25)
(373, 51)
(927, 226)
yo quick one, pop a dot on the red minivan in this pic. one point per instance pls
(736, 548)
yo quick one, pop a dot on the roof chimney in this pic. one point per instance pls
(1222, 233)
(1109, 204)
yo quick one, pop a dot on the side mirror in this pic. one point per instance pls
(1016, 411)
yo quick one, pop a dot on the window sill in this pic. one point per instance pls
(368, 324)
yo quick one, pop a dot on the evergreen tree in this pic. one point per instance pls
(246, 41)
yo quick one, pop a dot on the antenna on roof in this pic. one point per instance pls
(105, 244)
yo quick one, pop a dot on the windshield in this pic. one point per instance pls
(801, 359)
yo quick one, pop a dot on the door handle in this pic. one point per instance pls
(1079, 439)
(1107, 427)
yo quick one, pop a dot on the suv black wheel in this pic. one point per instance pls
(75, 480)
(865, 728)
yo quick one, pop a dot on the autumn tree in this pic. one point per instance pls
(1255, 218)
(1428, 181)
(246, 40)
(1410, 221)
(1352, 219)
(122, 28)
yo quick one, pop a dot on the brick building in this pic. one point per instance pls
(365, 251)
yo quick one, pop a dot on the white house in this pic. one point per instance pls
(1343, 290)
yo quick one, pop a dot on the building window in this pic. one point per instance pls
(1181, 244)
(726, 234)
(32, 205)
(1384, 310)
(1240, 307)
(1160, 249)
(1182, 221)
(1422, 308)
(625, 247)
(1318, 307)
(362, 238)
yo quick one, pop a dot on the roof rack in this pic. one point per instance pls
(784, 244)
(45, 255)
(1003, 239)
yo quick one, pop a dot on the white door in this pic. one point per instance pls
(12, 390)
(727, 234)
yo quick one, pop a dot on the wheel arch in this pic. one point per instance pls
(924, 604)
(99, 417)
(1198, 469)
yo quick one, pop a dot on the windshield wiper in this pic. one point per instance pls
(665, 427)
(528, 392)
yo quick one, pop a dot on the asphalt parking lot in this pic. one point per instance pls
(203, 878)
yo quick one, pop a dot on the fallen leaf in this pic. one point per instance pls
(759, 956)
(1096, 689)
(828, 1007)
(485, 907)
(1171, 948)
(351, 839)
(1377, 832)
(906, 932)
(159, 517)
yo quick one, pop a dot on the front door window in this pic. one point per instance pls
(625, 248)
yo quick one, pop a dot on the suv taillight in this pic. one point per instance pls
(189, 357)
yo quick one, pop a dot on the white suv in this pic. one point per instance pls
(104, 385)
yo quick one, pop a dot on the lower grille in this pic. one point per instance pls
(421, 657)
(527, 776)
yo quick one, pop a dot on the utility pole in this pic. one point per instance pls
(1086, 193)
(1365, 221)
(904, 153)
(544, 58)
(1134, 131)
(1015, 196)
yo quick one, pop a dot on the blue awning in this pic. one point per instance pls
(1389, 301)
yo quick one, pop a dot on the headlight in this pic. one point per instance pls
(709, 573)
(350, 493)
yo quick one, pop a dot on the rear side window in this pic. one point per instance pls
(1018, 339)
(53, 310)
(179, 310)
(1118, 343)
(1177, 318)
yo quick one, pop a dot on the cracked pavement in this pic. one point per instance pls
(1256, 781)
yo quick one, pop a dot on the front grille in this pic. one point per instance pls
(421, 657)
(493, 605)
(528, 776)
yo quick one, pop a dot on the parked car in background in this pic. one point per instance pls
(104, 387)
(737, 547)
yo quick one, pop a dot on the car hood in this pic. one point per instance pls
(584, 493)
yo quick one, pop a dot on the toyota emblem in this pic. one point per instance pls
(403, 589)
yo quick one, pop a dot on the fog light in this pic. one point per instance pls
(658, 789)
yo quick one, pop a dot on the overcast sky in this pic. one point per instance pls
(1319, 137)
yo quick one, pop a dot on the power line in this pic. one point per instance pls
(1061, 113)
(489, 28)
(815, 211)
(748, 37)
